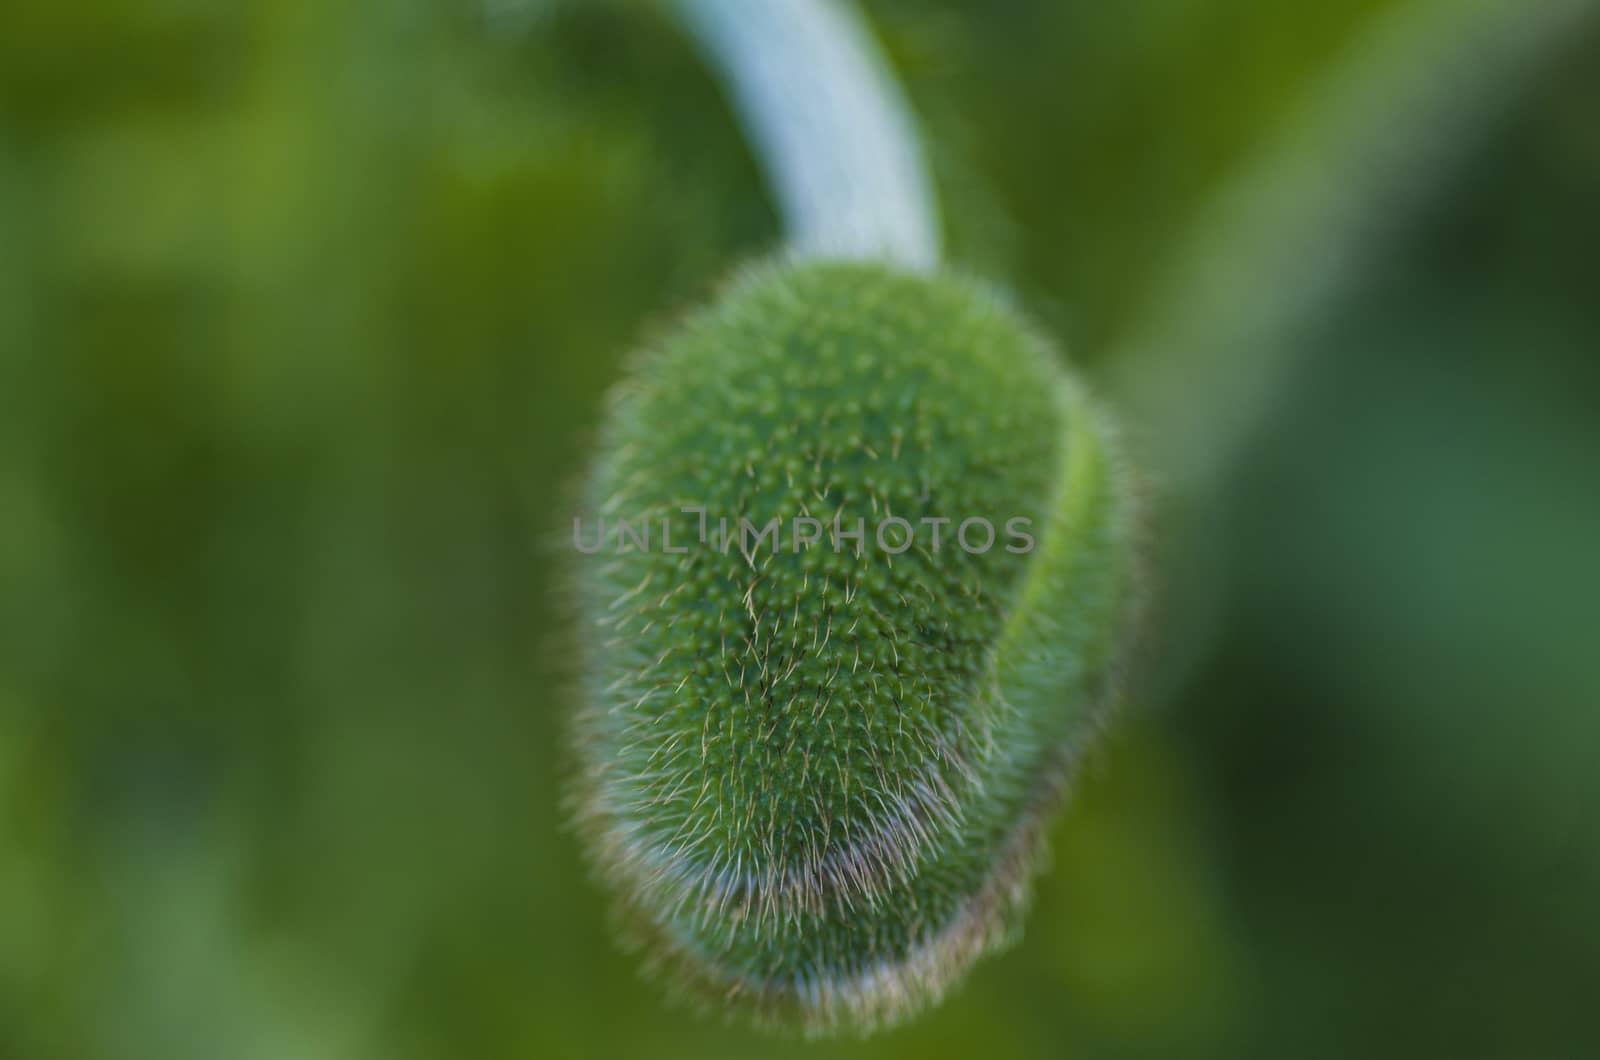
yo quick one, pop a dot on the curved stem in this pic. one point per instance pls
(1292, 234)
(1297, 227)
(829, 124)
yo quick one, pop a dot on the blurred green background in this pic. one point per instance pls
(307, 308)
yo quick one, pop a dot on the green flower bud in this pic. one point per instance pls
(816, 766)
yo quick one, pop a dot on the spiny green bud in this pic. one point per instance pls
(817, 764)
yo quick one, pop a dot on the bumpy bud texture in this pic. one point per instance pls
(816, 767)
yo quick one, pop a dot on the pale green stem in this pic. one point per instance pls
(1303, 221)
(829, 124)
(1291, 233)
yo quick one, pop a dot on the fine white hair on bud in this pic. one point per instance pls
(814, 769)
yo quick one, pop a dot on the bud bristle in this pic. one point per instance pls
(816, 770)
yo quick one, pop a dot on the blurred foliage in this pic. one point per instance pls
(306, 309)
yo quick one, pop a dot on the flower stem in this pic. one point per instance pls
(828, 122)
